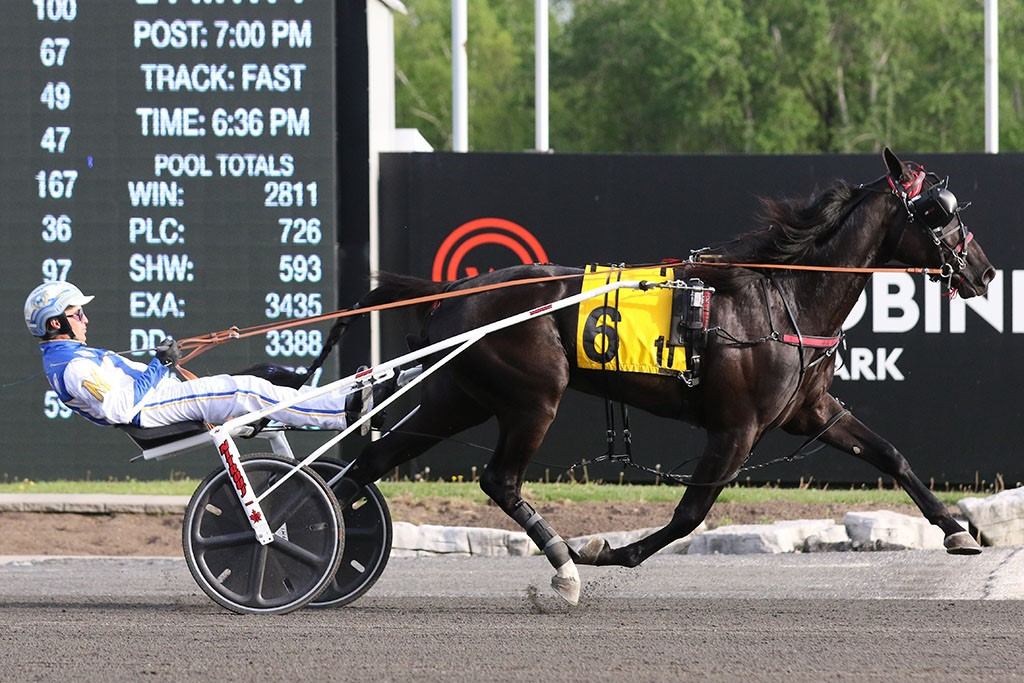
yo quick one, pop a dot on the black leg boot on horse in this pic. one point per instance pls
(521, 435)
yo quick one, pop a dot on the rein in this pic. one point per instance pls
(200, 344)
(819, 269)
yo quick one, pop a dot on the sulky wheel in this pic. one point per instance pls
(367, 541)
(231, 566)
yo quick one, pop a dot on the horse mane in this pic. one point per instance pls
(796, 231)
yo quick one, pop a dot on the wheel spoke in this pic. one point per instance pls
(299, 553)
(225, 540)
(257, 570)
(279, 514)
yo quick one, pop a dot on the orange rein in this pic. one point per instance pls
(202, 343)
(820, 269)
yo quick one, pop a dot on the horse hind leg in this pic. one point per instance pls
(444, 412)
(502, 482)
(721, 459)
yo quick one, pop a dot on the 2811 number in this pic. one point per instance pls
(283, 194)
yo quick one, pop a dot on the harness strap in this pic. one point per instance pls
(813, 342)
(962, 246)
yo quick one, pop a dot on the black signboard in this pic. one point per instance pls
(939, 378)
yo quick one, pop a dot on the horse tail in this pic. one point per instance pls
(393, 287)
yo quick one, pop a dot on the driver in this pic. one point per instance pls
(107, 389)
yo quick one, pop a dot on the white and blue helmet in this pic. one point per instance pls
(49, 300)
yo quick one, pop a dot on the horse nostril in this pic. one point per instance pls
(987, 276)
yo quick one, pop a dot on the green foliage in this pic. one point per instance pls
(630, 493)
(719, 76)
(1011, 76)
(500, 54)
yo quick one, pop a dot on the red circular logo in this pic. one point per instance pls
(480, 232)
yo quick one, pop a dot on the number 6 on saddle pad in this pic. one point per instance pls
(657, 331)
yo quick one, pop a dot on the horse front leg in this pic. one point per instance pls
(502, 480)
(722, 457)
(852, 436)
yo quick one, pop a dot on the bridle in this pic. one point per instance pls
(936, 210)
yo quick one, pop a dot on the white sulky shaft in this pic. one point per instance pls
(463, 341)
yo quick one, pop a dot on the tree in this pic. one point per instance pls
(500, 54)
(720, 76)
(1011, 76)
(654, 76)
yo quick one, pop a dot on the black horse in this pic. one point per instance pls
(753, 381)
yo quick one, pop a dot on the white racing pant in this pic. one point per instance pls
(219, 398)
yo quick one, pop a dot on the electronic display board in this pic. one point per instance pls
(175, 158)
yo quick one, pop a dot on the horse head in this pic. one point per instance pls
(930, 232)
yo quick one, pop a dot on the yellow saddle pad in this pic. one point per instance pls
(627, 330)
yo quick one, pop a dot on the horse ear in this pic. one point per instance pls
(893, 164)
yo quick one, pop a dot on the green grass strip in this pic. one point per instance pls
(537, 492)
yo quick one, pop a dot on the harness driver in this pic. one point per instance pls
(107, 389)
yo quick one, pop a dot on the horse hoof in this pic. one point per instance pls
(567, 583)
(589, 553)
(961, 543)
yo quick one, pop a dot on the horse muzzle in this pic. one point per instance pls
(977, 285)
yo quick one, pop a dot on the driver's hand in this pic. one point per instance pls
(167, 351)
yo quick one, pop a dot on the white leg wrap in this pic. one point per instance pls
(566, 582)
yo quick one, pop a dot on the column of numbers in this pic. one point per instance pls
(55, 182)
(55, 185)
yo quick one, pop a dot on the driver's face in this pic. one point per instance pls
(78, 320)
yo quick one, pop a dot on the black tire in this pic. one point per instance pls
(367, 541)
(231, 566)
